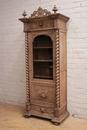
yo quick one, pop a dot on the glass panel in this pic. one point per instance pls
(43, 57)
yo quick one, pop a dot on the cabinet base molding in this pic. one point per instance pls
(36, 111)
(54, 120)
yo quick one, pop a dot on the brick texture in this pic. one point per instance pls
(12, 51)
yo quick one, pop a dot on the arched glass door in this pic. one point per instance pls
(43, 57)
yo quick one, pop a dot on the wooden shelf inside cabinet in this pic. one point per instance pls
(43, 60)
(51, 67)
(42, 47)
(43, 77)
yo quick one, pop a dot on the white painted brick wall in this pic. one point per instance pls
(12, 51)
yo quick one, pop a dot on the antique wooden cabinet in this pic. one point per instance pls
(46, 64)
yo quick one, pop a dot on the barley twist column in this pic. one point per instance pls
(27, 66)
(57, 71)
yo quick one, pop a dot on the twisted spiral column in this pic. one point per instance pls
(27, 66)
(57, 70)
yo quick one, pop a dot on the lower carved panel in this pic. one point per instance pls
(43, 95)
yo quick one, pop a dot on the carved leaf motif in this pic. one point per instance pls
(42, 94)
(40, 13)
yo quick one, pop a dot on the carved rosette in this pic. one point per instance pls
(57, 71)
(27, 67)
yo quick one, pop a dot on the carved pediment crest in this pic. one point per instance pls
(40, 13)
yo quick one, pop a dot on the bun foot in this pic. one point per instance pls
(56, 123)
(26, 116)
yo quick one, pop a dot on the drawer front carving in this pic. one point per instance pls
(43, 110)
(41, 24)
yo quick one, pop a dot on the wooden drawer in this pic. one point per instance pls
(42, 111)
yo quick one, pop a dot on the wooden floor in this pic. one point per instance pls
(11, 119)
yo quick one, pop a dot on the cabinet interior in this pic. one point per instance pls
(43, 57)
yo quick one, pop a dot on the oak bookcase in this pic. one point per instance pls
(46, 64)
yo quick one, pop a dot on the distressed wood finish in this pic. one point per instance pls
(46, 64)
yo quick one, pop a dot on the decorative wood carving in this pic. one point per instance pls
(46, 65)
(24, 14)
(41, 24)
(42, 94)
(55, 9)
(40, 13)
(43, 110)
(27, 67)
(45, 94)
(57, 70)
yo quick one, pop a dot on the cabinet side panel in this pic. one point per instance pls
(63, 91)
(63, 69)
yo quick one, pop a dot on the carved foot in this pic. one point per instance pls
(56, 123)
(58, 120)
(26, 116)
